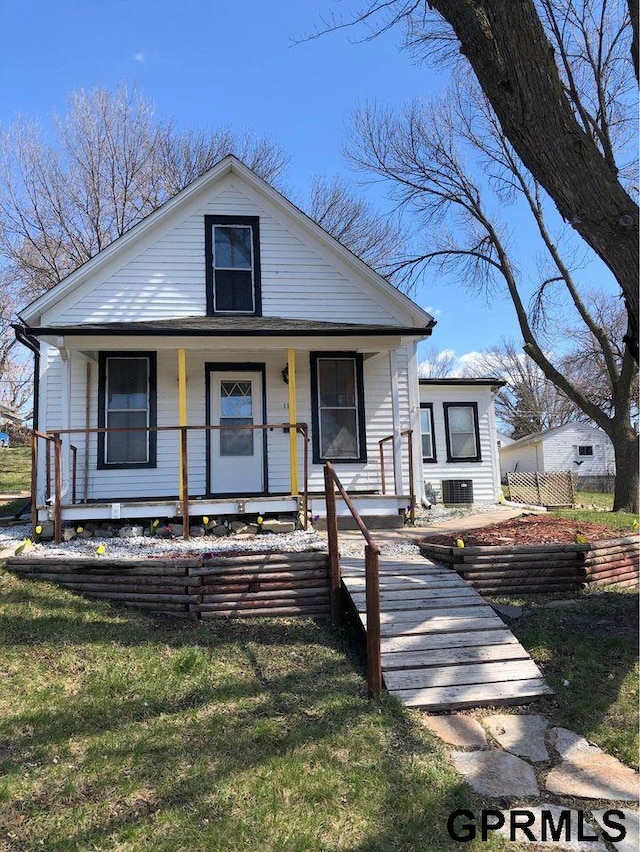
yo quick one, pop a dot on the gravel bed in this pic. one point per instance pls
(140, 546)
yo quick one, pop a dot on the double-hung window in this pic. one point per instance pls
(461, 429)
(127, 401)
(232, 248)
(338, 407)
(427, 432)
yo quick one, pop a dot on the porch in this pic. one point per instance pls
(230, 426)
(64, 503)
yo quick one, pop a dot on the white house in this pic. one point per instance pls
(575, 447)
(224, 316)
(459, 444)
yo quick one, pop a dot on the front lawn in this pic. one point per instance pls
(588, 652)
(120, 731)
(15, 470)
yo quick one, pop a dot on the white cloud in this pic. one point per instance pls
(140, 57)
(435, 312)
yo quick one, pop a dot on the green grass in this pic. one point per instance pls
(119, 731)
(588, 653)
(15, 470)
(619, 521)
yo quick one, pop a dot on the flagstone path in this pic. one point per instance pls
(522, 757)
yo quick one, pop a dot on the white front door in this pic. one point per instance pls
(237, 455)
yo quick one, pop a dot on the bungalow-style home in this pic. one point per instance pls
(172, 364)
(575, 447)
(458, 436)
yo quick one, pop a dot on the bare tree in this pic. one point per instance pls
(529, 403)
(16, 383)
(422, 157)
(557, 75)
(372, 236)
(438, 364)
(111, 165)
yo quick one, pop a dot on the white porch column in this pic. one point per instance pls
(395, 408)
(414, 415)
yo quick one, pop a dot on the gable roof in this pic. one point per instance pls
(540, 436)
(228, 165)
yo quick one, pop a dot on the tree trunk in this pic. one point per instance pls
(514, 63)
(626, 449)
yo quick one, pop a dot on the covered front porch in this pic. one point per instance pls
(178, 426)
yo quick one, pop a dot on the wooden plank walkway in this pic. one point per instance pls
(442, 645)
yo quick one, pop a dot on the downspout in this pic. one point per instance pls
(495, 452)
(33, 344)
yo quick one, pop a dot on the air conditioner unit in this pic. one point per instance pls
(455, 491)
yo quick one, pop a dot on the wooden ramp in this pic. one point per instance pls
(442, 645)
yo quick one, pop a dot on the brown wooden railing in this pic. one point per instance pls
(54, 437)
(371, 570)
(408, 433)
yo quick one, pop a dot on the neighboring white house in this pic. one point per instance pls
(459, 444)
(576, 447)
(225, 308)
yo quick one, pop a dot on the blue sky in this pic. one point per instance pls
(210, 63)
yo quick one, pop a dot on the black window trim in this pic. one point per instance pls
(474, 406)
(254, 223)
(434, 458)
(103, 357)
(357, 357)
(585, 447)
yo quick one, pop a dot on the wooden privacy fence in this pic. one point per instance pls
(197, 587)
(542, 489)
(534, 569)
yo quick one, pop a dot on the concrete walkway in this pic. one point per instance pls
(411, 535)
(522, 758)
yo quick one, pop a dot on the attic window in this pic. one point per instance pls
(232, 250)
(585, 450)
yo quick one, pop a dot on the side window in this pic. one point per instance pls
(427, 432)
(585, 450)
(232, 251)
(338, 407)
(127, 400)
(462, 433)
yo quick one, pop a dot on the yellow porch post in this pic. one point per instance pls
(182, 404)
(293, 419)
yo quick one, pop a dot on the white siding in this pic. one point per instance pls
(557, 450)
(528, 457)
(163, 274)
(561, 451)
(162, 481)
(483, 472)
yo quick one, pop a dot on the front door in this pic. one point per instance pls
(236, 455)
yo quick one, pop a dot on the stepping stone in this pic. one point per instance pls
(508, 611)
(457, 730)
(588, 772)
(542, 828)
(631, 841)
(521, 735)
(494, 773)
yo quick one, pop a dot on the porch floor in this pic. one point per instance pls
(442, 645)
(369, 505)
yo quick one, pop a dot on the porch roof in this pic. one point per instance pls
(232, 326)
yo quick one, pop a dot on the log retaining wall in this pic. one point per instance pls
(531, 569)
(288, 584)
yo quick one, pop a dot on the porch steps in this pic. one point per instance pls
(443, 646)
